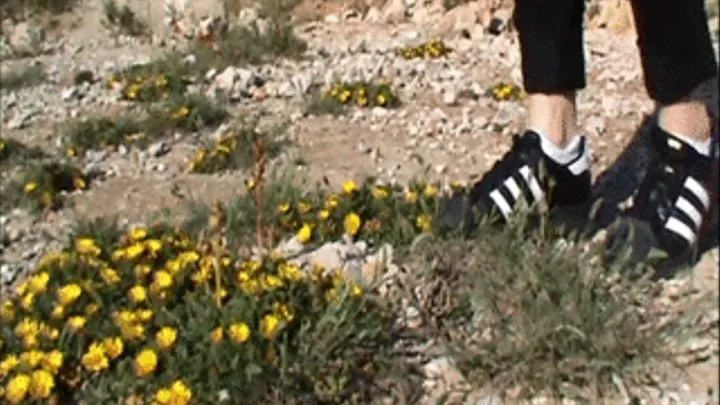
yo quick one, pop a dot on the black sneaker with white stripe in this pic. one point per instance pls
(525, 176)
(672, 207)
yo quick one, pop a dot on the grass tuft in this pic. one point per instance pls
(43, 187)
(234, 150)
(122, 19)
(19, 78)
(525, 311)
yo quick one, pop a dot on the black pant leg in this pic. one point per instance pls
(551, 44)
(675, 47)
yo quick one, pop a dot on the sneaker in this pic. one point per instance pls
(525, 174)
(672, 207)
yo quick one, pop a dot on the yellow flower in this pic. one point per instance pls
(240, 332)
(138, 294)
(27, 326)
(7, 310)
(53, 361)
(42, 384)
(30, 341)
(8, 364)
(79, 183)
(380, 192)
(57, 312)
(411, 197)
(332, 201)
(284, 311)
(430, 190)
(68, 294)
(166, 337)
(216, 335)
(134, 251)
(303, 207)
(269, 325)
(17, 388)
(348, 186)
(142, 269)
(32, 358)
(181, 393)
(424, 222)
(356, 290)
(283, 208)
(21, 288)
(95, 360)
(304, 234)
(146, 362)
(182, 112)
(163, 279)
(145, 315)
(50, 332)
(323, 214)
(76, 322)
(30, 187)
(352, 223)
(38, 283)
(87, 246)
(27, 301)
(153, 245)
(163, 396)
(290, 271)
(113, 347)
(271, 282)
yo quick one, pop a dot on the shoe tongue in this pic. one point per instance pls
(671, 146)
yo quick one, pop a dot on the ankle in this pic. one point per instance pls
(554, 115)
(688, 120)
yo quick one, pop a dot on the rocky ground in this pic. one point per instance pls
(446, 128)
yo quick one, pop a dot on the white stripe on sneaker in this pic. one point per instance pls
(686, 207)
(501, 203)
(679, 225)
(513, 187)
(532, 183)
(698, 191)
(675, 225)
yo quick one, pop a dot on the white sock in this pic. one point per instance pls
(563, 156)
(702, 147)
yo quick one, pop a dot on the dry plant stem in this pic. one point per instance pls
(217, 243)
(260, 159)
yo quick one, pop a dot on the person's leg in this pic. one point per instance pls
(553, 64)
(677, 58)
(549, 164)
(675, 200)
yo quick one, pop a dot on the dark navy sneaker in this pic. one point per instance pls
(671, 210)
(525, 176)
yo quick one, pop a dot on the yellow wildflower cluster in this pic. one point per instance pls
(363, 94)
(506, 91)
(369, 211)
(145, 87)
(432, 49)
(42, 187)
(150, 313)
(218, 157)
